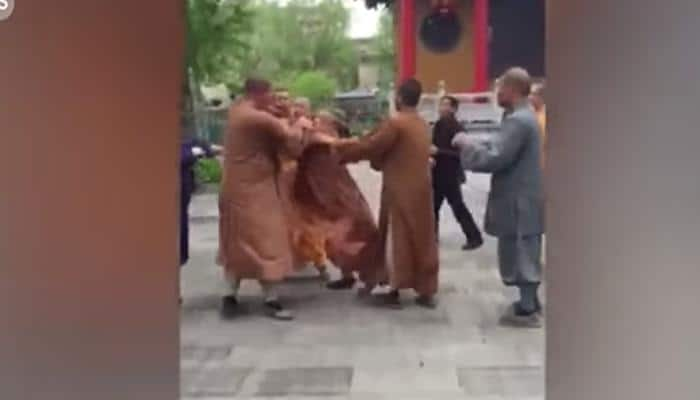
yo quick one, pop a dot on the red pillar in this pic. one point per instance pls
(481, 45)
(407, 39)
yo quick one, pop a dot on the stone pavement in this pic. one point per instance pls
(340, 348)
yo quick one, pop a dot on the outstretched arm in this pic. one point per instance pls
(371, 147)
(495, 154)
(289, 137)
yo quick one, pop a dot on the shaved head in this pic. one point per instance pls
(303, 106)
(259, 91)
(537, 96)
(518, 79)
(538, 90)
(513, 87)
(256, 86)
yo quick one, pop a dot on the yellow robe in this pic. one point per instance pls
(542, 119)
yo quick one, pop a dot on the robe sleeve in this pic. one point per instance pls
(497, 152)
(372, 147)
(290, 138)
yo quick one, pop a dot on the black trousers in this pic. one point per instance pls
(185, 197)
(450, 190)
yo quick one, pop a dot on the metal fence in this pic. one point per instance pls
(211, 124)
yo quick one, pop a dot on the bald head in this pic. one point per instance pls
(519, 79)
(259, 92)
(302, 106)
(513, 87)
(302, 102)
(254, 86)
(537, 96)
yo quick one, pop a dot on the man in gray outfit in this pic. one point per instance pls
(515, 211)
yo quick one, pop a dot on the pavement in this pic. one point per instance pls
(341, 348)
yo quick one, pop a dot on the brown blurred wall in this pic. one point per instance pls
(88, 231)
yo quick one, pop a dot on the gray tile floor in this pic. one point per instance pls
(340, 348)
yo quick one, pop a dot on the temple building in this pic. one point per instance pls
(462, 45)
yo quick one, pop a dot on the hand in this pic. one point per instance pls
(197, 151)
(433, 150)
(462, 141)
(304, 123)
(216, 149)
(324, 139)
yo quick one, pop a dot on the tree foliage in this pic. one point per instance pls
(385, 50)
(318, 87)
(218, 33)
(301, 36)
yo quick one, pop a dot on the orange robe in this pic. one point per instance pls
(331, 201)
(400, 148)
(542, 120)
(306, 236)
(252, 245)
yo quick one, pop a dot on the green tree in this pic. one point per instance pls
(385, 50)
(303, 35)
(318, 87)
(217, 35)
(218, 32)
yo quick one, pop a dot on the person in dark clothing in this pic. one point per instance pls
(448, 175)
(191, 150)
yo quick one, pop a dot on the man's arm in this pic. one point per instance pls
(289, 137)
(372, 147)
(496, 154)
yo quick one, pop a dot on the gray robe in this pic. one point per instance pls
(515, 210)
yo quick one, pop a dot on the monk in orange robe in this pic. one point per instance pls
(330, 201)
(253, 240)
(306, 237)
(401, 149)
(538, 103)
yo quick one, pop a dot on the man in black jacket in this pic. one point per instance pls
(448, 175)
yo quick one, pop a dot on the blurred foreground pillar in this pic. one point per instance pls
(623, 200)
(88, 217)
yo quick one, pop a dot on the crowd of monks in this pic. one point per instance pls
(288, 201)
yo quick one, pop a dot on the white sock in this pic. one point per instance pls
(234, 283)
(269, 292)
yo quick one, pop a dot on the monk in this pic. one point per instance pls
(254, 242)
(306, 237)
(401, 149)
(538, 104)
(329, 199)
(515, 209)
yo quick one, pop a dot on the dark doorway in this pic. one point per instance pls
(517, 36)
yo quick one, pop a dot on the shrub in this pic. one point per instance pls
(318, 87)
(207, 171)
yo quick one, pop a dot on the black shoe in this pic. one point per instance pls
(519, 311)
(390, 300)
(518, 318)
(229, 306)
(341, 284)
(473, 245)
(426, 302)
(275, 310)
